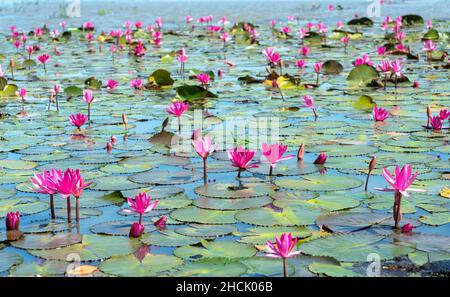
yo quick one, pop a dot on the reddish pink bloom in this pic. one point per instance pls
(429, 46)
(322, 28)
(397, 67)
(139, 49)
(308, 101)
(444, 114)
(415, 84)
(113, 139)
(429, 24)
(13, 221)
(182, 57)
(78, 119)
(88, 96)
(385, 66)
(88, 26)
(300, 64)
(381, 50)
(282, 247)
(363, 60)
(203, 147)
(407, 228)
(318, 67)
(436, 122)
(22, 93)
(380, 114)
(321, 159)
(136, 230)
(286, 30)
(136, 84)
(111, 84)
(305, 51)
(177, 108)
(272, 56)
(161, 222)
(302, 32)
(345, 40)
(44, 58)
(274, 153)
(225, 37)
(141, 204)
(188, 19)
(71, 184)
(203, 78)
(47, 182)
(241, 158)
(403, 178)
(109, 147)
(339, 25)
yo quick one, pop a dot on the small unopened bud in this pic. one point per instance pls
(429, 111)
(219, 73)
(372, 163)
(164, 124)
(196, 134)
(301, 152)
(113, 139)
(12, 63)
(125, 120)
(109, 147)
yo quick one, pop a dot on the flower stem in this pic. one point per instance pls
(270, 171)
(284, 268)
(317, 80)
(77, 210)
(57, 103)
(140, 218)
(367, 180)
(52, 207)
(204, 171)
(69, 219)
(89, 113)
(179, 125)
(397, 208)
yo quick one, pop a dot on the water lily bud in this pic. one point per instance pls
(109, 147)
(113, 139)
(164, 124)
(136, 230)
(13, 221)
(11, 63)
(196, 134)
(161, 223)
(321, 159)
(415, 84)
(407, 228)
(301, 152)
(428, 111)
(125, 120)
(372, 163)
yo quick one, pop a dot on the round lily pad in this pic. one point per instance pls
(286, 217)
(216, 249)
(260, 235)
(234, 191)
(163, 177)
(119, 228)
(168, 238)
(131, 266)
(47, 241)
(262, 266)
(91, 248)
(26, 206)
(210, 268)
(9, 259)
(201, 230)
(37, 269)
(332, 270)
(192, 214)
(320, 183)
(113, 183)
(231, 204)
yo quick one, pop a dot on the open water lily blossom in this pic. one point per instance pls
(283, 247)
(242, 159)
(400, 184)
(140, 204)
(78, 119)
(177, 109)
(204, 148)
(273, 153)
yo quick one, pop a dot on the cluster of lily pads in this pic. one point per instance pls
(152, 207)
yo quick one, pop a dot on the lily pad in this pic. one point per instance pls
(216, 249)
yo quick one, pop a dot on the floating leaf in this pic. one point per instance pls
(192, 214)
(161, 77)
(216, 249)
(192, 93)
(210, 268)
(47, 241)
(260, 235)
(201, 230)
(168, 238)
(332, 270)
(8, 260)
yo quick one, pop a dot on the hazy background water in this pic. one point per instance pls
(106, 14)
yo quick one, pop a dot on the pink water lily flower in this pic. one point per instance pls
(47, 183)
(204, 78)
(161, 222)
(136, 84)
(407, 228)
(188, 19)
(436, 122)
(380, 114)
(444, 114)
(225, 37)
(136, 230)
(182, 57)
(88, 97)
(274, 154)
(141, 204)
(308, 102)
(429, 24)
(271, 55)
(300, 64)
(305, 51)
(402, 179)
(429, 46)
(22, 94)
(283, 247)
(302, 32)
(204, 148)
(321, 159)
(111, 84)
(381, 50)
(363, 60)
(78, 119)
(400, 183)
(12, 221)
(44, 59)
(241, 158)
(177, 108)
(397, 67)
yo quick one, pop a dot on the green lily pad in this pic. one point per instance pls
(26, 206)
(210, 268)
(216, 249)
(320, 183)
(91, 248)
(9, 259)
(260, 235)
(287, 217)
(231, 204)
(47, 241)
(234, 191)
(354, 247)
(332, 270)
(131, 266)
(267, 267)
(168, 238)
(34, 269)
(192, 214)
(201, 230)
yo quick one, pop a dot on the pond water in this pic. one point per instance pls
(217, 230)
